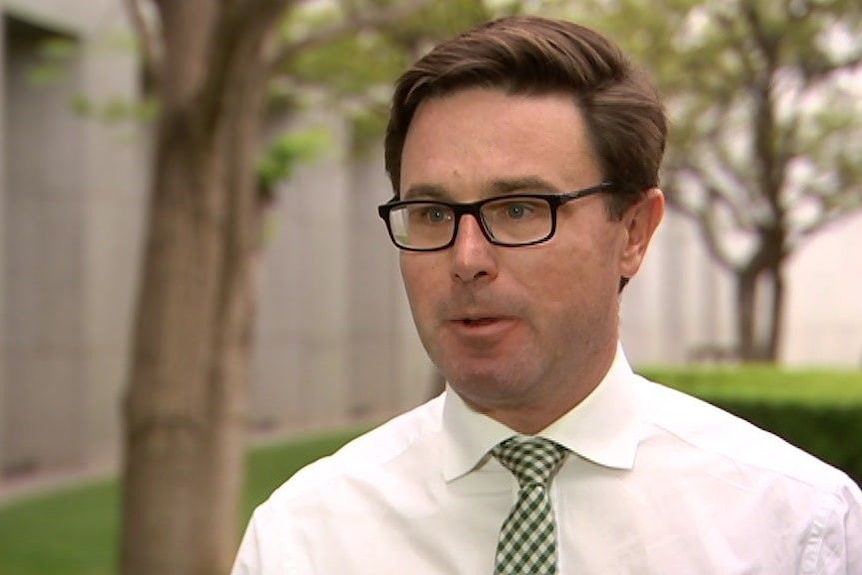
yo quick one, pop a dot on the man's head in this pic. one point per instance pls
(533, 56)
(484, 130)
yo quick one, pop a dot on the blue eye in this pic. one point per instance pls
(435, 214)
(430, 214)
(516, 211)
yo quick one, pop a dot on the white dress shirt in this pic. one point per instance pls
(657, 482)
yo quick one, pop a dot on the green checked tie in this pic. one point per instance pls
(528, 541)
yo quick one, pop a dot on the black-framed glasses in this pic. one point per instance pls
(510, 220)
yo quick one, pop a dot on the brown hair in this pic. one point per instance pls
(532, 55)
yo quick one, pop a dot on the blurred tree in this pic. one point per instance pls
(765, 100)
(211, 67)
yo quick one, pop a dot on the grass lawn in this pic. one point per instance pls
(74, 531)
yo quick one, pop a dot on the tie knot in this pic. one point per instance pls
(532, 460)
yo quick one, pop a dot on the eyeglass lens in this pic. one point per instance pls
(509, 221)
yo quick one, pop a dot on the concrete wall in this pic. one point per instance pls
(824, 321)
(682, 301)
(72, 196)
(44, 275)
(679, 301)
(114, 202)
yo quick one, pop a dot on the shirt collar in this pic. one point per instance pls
(604, 428)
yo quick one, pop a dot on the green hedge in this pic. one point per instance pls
(819, 411)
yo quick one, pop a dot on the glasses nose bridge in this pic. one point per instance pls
(473, 209)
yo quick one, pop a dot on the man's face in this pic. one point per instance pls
(516, 331)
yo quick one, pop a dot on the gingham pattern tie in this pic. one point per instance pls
(528, 539)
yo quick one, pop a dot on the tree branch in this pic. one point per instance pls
(351, 25)
(151, 50)
(715, 195)
(704, 219)
(705, 222)
(241, 28)
(815, 72)
(828, 218)
(741, 48)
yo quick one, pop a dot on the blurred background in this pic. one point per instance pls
(757, 262)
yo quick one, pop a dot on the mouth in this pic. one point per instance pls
(482, 325)
(478, 321)
(481, 329)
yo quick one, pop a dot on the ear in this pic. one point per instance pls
(640, 221)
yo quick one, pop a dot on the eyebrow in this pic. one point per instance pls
(514, 185)
(497, 188)
(425, 191)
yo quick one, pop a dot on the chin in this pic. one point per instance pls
(487, 388)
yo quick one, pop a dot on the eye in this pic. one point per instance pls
(434, 214)
(517, 210)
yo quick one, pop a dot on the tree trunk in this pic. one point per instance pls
(185, 405)
(759, 335)
(776, 314)
(746, 317)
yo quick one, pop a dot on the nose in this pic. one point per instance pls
(473, 256)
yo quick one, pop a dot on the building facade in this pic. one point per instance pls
(71, 201)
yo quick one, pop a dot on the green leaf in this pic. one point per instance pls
(283, 154)
(58, 48)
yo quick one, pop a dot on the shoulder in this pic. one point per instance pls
(388, 448)
(693, 425)
(736, 467)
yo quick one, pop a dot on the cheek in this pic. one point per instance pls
(567, 299)
(548, 285)
(418, 273)
(576, 276)
(408, 277)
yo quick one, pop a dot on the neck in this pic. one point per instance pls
(532, 416)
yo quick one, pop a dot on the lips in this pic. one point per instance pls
(481, 326)
(479, 321)
(478, 318)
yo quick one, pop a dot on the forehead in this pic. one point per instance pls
(467, 140)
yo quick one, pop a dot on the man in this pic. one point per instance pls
(524, 156)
